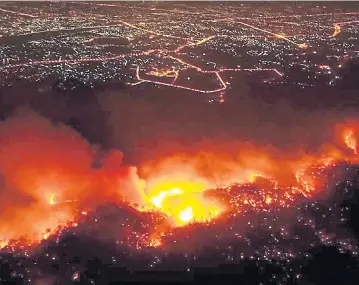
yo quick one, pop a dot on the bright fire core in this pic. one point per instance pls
(183, 201)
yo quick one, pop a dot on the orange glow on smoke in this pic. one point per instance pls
(40, 177)
(49, 180)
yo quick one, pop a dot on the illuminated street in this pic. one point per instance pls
(175, 46)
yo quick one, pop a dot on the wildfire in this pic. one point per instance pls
(186, 215)
(268, 200)
(3, 243)
(46, 235)
(183, 202)
(158, 200)
(180, 194)
(154, 240)
(254, 175)
(305, 181)
(350, 140)
(186, 190)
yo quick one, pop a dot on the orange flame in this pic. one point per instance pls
(337, 30)
(177, 188)
(350, 140)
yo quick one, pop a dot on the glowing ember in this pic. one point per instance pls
(46, 235)
(268, 200)
(154, 242)
(186, 189)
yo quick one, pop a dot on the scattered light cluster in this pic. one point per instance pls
(177, 46)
